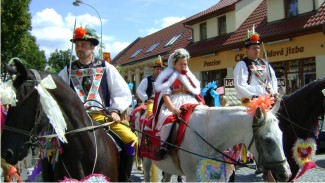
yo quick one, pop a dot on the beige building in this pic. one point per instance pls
(293, 33)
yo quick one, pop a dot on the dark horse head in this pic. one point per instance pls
(85, 153)
(298, 116)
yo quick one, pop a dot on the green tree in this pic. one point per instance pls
(16, 40)
(58, 59)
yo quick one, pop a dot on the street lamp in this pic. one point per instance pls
(77, 3)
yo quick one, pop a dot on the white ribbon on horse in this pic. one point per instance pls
(7, 93)
(51, 107)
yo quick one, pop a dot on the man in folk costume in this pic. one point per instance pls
(146, 88)
(253, 76)
(95, 79)
(175, 86)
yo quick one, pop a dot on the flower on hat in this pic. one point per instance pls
(255, 37)
(252, 36)
(79, 33)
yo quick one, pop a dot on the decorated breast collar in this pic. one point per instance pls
(97, 74)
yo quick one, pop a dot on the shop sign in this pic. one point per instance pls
(229, 83)
(285, 51)
(212, 63)
(273, 53)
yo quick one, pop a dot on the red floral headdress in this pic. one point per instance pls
(158, 62)
(252, 37)
(87, 34)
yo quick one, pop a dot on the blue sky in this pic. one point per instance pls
(123, 20)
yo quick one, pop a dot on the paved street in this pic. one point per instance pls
(247, 175)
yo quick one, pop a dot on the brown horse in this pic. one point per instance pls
(298, 116)
(87, 152)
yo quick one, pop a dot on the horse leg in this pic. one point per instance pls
(147, 164)
(166, 177)
(232, 177)
(139, 163)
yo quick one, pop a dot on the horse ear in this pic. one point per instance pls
(259, 115)
(20, 68)
(276, 106)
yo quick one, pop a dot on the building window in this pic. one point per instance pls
(291, 8)
(215, 75)
(203, 31)
(222, 25)
(136, 53)
(172, 40)
(296, 73)
(153, 47)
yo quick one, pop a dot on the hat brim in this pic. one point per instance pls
(93, 41)
(158, 66)
(248, 43)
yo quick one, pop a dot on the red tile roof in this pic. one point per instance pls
(164, 36)
(271, 31)
(223, 4)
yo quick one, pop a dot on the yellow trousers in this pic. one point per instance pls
(121, 130)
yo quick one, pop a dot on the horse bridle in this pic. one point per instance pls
(261, 160)
(33, 138)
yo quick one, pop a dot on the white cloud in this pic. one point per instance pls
(162, 23)
(52, 31)
(167, 21)
(115, 47)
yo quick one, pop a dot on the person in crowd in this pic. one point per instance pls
(253, 76)
(176, 86)
(95, 79)
(146, 88)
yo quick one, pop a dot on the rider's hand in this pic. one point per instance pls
(277, 96)
(115, 117)
(149, 101)
(176, 111)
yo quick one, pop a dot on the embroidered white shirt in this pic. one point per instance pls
(245, 90)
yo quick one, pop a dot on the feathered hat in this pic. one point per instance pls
(158, 63)
(252, 37)
(86, 34)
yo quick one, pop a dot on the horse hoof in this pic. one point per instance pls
(140, 168)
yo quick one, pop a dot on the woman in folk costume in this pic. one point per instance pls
(176, 86)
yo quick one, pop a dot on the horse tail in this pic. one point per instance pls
(154, 173)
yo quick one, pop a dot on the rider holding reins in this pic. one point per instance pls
(146, 88)
(95, 79)
(253, 76)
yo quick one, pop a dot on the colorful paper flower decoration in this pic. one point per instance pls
(213, 171)
(303, 153)
(264, 102)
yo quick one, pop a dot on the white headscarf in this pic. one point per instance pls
(169, 75)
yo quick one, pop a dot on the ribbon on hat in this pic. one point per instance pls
(51, 107)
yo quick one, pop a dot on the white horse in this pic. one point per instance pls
(224, 127)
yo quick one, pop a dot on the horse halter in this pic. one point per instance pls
(261, 160)
(39, 110)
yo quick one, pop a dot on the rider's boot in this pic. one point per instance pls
(128, 166)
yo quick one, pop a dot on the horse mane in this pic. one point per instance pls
(301, 92)
(298, 100)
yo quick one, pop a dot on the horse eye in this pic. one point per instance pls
(268, 140)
